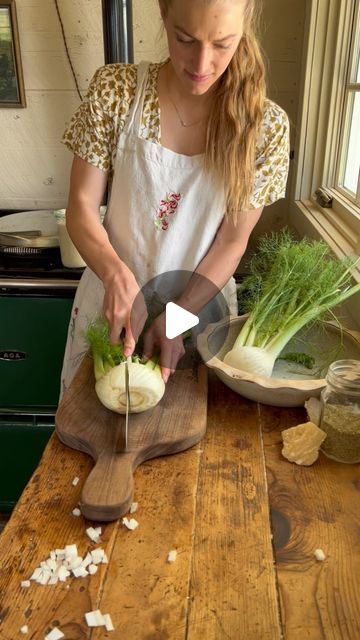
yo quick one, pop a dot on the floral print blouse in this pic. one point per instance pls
(93, 131)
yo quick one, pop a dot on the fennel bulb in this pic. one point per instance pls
(146, 387)
(145, 380)
(291, 285)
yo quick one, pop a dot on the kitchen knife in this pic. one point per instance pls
(122, 445)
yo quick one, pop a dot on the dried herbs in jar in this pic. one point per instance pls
(340, 414)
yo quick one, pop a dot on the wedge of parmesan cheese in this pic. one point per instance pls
(302, 443)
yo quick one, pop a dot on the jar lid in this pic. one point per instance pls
(345, 374)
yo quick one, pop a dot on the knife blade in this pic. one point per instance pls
(127, 391)
(122, 439)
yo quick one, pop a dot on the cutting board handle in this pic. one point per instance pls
(110, 483)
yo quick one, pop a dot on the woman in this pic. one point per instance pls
(192, 150)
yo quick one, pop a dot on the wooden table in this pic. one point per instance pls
(245, 523)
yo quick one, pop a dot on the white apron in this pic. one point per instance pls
(163, 215)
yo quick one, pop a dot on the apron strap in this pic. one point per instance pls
(134, 120)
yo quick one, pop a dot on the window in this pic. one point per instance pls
(326, 187)
(348, 170)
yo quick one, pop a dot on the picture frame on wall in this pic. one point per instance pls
(12, 91)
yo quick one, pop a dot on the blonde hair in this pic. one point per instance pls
(235, 117)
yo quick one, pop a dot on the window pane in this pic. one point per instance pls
(356, 66)
(352, 150)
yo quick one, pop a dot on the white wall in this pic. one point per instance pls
(34, 165)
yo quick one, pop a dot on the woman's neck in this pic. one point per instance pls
(195, 103)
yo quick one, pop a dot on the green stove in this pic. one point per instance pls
(36, 297)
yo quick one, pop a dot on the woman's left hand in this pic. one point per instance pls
(170, 350)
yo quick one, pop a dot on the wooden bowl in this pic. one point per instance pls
(290, 384)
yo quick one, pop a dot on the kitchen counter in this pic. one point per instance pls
(245, 523)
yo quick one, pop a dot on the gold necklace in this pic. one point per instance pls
(184, 124)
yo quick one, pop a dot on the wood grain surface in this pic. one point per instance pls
(82, 422)
(233, 581)
(313, 507)
(211, 503)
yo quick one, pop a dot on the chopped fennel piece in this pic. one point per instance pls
(134, 507)
(130, 524)
(75, 481)
(98, 556)
(80, 572)
(319, 555)
(44, 578)
(94, 618)
(93, 534)
(92, 568)
(71, 551)
(76, 512)
(63, 573)
(25, 584)
(55, 634)
(67, 564)
(36, 574)
(86, 561)
(108, 622)
(24, 629)
(52, 564)
(74, 563)
(172, 555)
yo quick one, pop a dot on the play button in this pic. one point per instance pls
(178, 320)
(161, 295)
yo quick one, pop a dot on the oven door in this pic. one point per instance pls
(33, 332)
(33, 329)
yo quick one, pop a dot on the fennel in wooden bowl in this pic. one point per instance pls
(290, 383)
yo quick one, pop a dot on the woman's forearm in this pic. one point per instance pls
(87, 187)
(92, 242)
(210, 277)
(220, 262)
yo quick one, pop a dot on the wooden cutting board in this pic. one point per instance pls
(82, 422)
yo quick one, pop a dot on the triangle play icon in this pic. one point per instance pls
(178, 320)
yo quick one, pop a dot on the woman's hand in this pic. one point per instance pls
(124, 309)
(170, 350)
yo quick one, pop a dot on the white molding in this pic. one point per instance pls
(314, 222)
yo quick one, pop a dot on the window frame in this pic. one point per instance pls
(352, 87)
(325, 65)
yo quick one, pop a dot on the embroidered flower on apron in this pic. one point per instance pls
(166, 209)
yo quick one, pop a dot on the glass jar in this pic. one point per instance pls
(340, 411)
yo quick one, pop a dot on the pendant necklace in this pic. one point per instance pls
(184, 124)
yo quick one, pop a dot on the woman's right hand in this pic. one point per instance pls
(124, 308)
